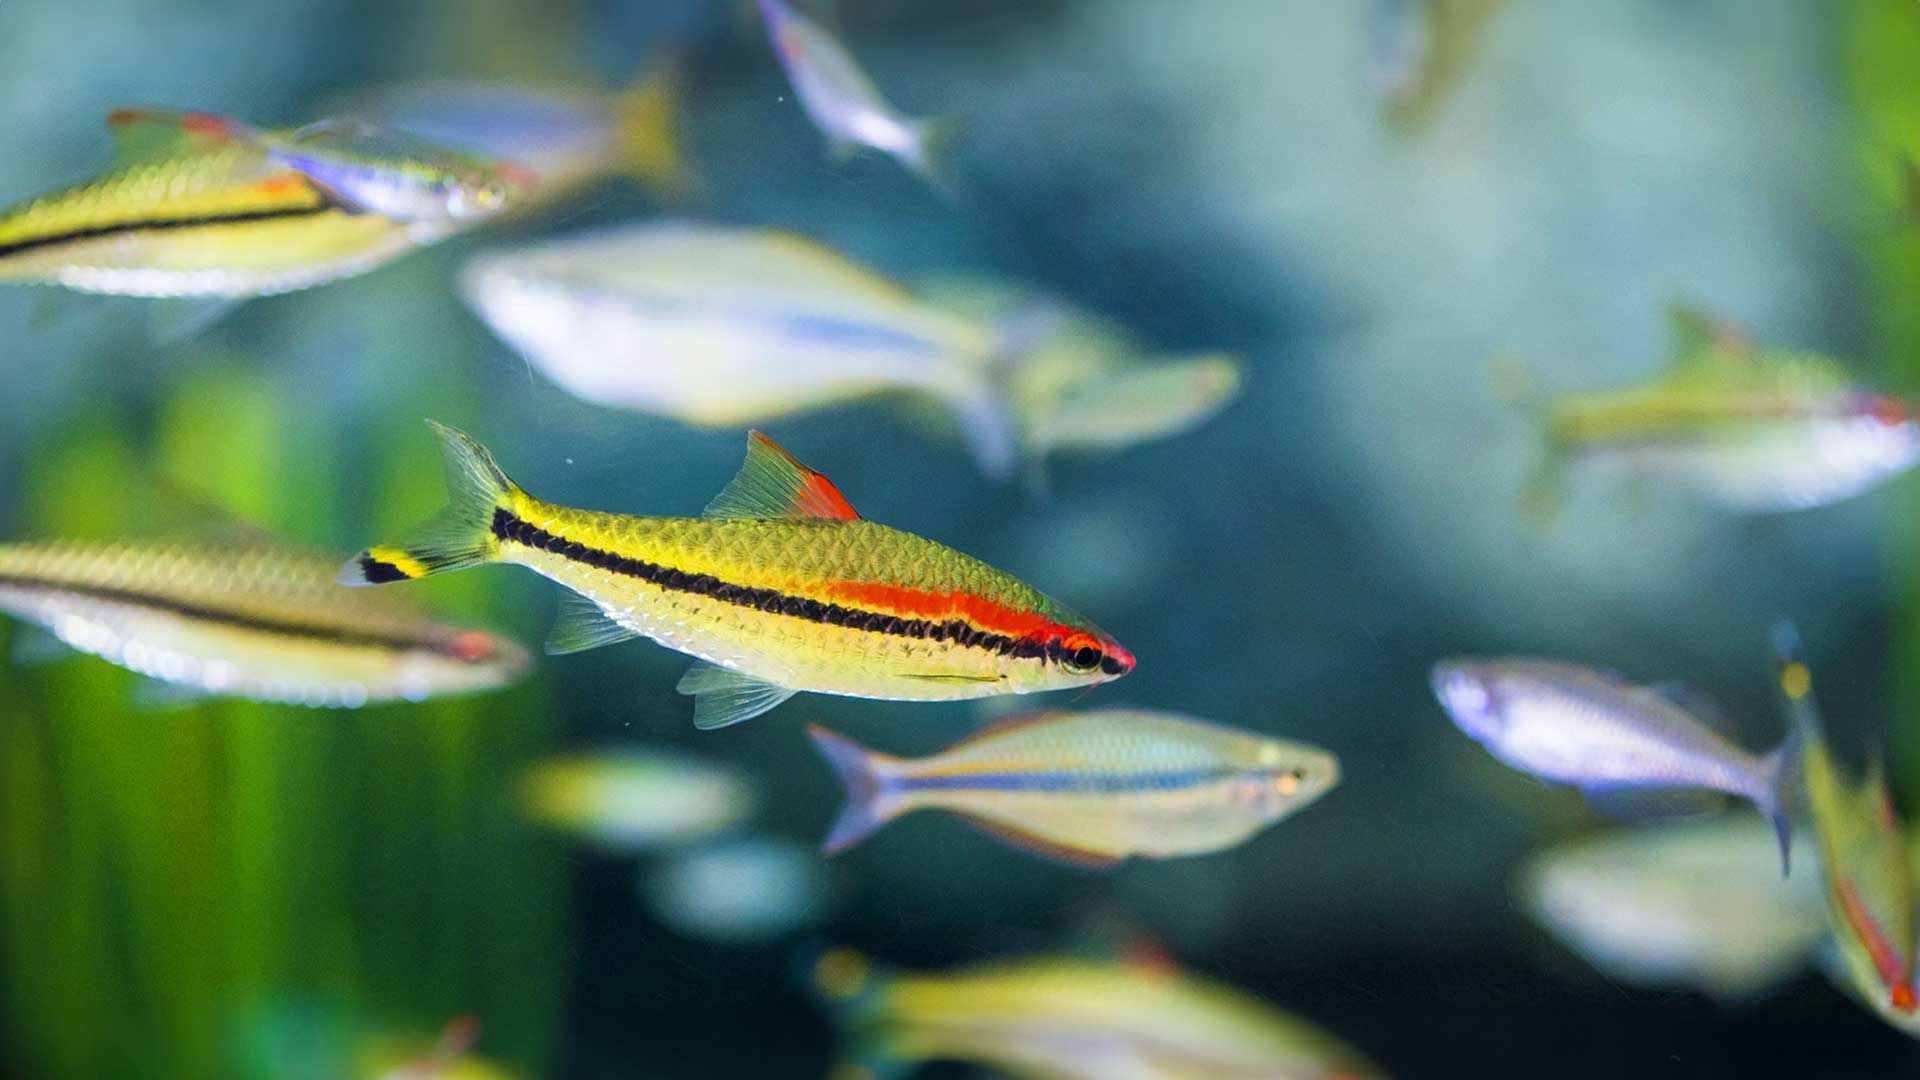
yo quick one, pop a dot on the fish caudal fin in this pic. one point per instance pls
(858, 770)
(646, 116)
(930, 154)
(460, 535)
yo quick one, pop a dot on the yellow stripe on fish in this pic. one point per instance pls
(780, 587)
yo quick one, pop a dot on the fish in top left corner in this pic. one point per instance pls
(199, 205)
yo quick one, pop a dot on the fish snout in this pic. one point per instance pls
(1464, 690)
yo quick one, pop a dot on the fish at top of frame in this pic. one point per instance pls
(198, 205)
(780, 587)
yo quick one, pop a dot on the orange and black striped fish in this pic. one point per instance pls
(780, 587)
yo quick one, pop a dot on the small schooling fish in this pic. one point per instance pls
(1752, 430)
(247, 616)
(843, 102)
(1570, 724)
(780, 587)
(1864, 858)
(720, 326)
(569, 136)
(1061, 1018)
(202, 206)
(1089, 789)
(630, 801)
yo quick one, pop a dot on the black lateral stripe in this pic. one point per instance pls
(290, 628)
(96, 231)
(509, 527)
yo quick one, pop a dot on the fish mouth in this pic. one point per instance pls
(1463, 692)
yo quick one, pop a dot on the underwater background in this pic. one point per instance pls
(225, 889)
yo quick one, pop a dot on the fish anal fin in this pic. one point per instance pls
(772, 483)
(1643, 804)
(1080, 858)
(141, 134)
(722, 698)
(582, 624)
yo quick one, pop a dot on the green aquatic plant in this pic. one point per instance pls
(173, 880)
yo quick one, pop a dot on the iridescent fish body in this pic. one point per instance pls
(1683, 905)
(395, 175)
(1863, 861)
(841, 100)
(726, 327)
(635, 801)
(569, 136)
(247, 618)
(780, 587)
(1570, 724)
(1058, 1018)
(1752, 431)
(1089, 788)
(198, 206)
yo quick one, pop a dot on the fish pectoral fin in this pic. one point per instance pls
(722, 698)
(1642, 804)
(582, 624)
(773, 484)
(146, 134)
(1032, 844)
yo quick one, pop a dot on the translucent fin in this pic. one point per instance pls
(582, 624)
(1695, 331)
(35, 647)
(930, 156)
(722, 698)
(988, 428)
(858, 770)
(647, 115)
(1694, 702)
(1641, 804)
(146, 134)
(177, 320)
(1047, 849)
(461, 535)
(772, 484)
(1775, 798)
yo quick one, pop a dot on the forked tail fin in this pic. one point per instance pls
(460, 535)
(647, 115)
(866, 808)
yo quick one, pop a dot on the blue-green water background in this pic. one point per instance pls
(1215, 175)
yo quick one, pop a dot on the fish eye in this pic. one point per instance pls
(1288, 783)
(1084, 658)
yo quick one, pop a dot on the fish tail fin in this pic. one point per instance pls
(1782, 768)
(930, 154)
(859, 771)
(460, 535)
(647, 118)
(1511, 384)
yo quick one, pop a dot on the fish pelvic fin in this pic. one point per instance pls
(460, 535)
(647, 119)
(860, 772)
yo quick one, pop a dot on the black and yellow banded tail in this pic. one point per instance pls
(459, 536)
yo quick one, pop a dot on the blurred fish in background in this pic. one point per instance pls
(1751, 430)
(1682, 905)
(570, 136)
(749, 890)
(1061, 1018)
(1088, 789)
(632, 800)
(1422, 49)
(842, 101)
(198, 205)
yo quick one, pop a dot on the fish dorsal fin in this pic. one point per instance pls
(773, 484)
(1002, 726)
(722, 698)
(581, 625)
(145, 134)
(1697, 332)
(1045, 848)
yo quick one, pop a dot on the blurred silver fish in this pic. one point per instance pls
(729, 327)
(1687, 905)
(1571, 724)
(568, 135)
(843, 102)
(1089, 789)
(738, 892)
(636, 801)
